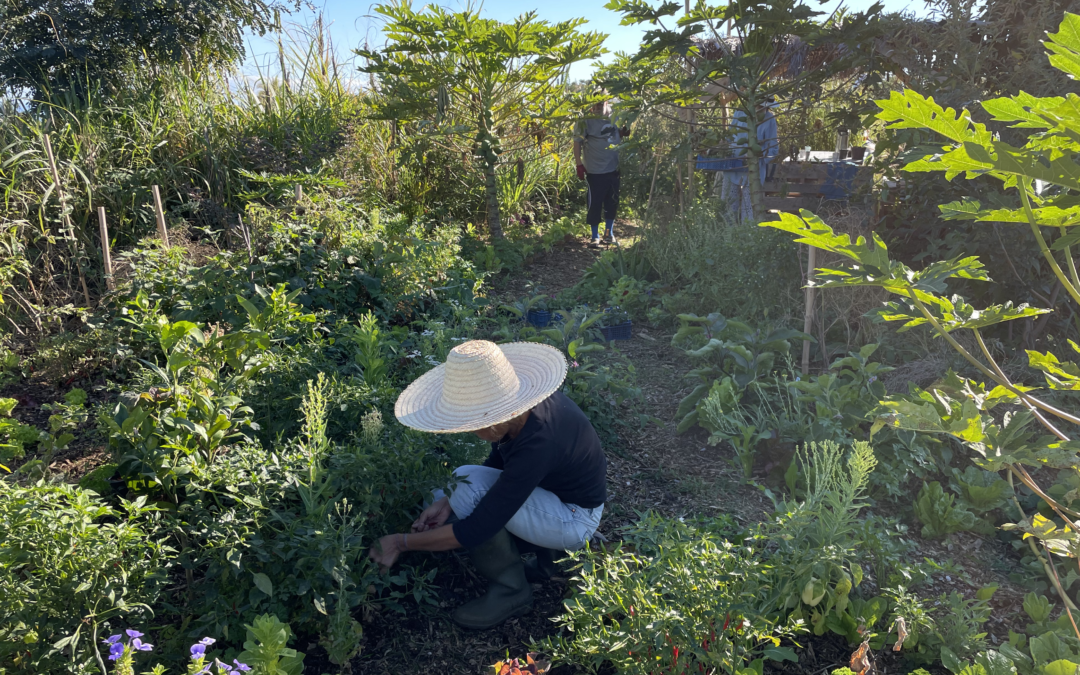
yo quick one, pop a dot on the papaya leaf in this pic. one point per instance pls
(911, 110)
(1060, 376)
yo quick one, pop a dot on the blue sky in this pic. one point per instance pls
(352, 23)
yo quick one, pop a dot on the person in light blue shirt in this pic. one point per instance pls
(736, 183)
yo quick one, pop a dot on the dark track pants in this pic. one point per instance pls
(603, 196)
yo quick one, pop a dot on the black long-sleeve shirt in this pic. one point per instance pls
(557, 450)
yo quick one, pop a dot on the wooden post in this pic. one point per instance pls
(67, 217)
(808, 319)
(163, 231)
(105, 255)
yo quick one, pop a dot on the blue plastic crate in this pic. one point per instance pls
(721, 163)
(622, 331)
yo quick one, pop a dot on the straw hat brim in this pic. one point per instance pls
(540, 368)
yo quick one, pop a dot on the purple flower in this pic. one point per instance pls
(116, 650)
(241, 666)
(141, 646)
(207, 641)
(133, 633)
(198, 651)
(111, 640)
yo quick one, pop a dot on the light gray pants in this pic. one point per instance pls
(543, 519)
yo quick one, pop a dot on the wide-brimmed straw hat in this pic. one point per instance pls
(480, 385)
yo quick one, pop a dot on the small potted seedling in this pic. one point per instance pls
(615, 324)
(538, 315)
(534, 310)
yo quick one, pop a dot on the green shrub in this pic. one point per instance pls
(73, 565)
(671, 596)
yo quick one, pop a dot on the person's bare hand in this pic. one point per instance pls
(386, 551)
(434, 516)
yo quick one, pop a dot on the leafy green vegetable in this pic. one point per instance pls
(982, 490)
(939, 516)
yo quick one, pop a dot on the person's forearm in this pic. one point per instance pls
(440, 539)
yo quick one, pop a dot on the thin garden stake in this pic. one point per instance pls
(808, 318)
(109, 283)
(247, 240)
(299, 195)
(159, 212)
(652, 185)
(72, 243)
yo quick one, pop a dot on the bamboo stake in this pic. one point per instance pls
(106, 256)
(299, 194)
(163, 231)
(67, 217)
(808, 319)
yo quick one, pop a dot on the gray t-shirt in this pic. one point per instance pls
(598, 137)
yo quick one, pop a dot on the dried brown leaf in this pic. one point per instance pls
(860, 659)
(901, 633)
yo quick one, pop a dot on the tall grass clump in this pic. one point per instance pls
(738, 270)
(212, 140)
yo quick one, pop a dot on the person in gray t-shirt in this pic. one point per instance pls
(599, 139)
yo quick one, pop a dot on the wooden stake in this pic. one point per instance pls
(808, 319)
(105, 255)
(652, 186)
(247, 240)
(299, 195)
(163, 231)
(679, 186)
(67, 217)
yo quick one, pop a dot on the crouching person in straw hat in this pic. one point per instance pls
(542, 488)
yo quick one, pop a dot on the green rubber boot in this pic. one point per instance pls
(509, 593)
(544, 567)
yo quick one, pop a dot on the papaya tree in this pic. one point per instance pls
(741, 55)
(473, 85)
(1037, 439)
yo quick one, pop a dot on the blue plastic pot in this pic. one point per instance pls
(538, 317)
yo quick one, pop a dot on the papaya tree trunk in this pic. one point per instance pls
(491, 190)
(753, 162)
(757, 190)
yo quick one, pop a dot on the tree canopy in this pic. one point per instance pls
(67, 44)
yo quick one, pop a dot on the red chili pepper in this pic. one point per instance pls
(727, 620)
(631, 610)
(676, 650)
